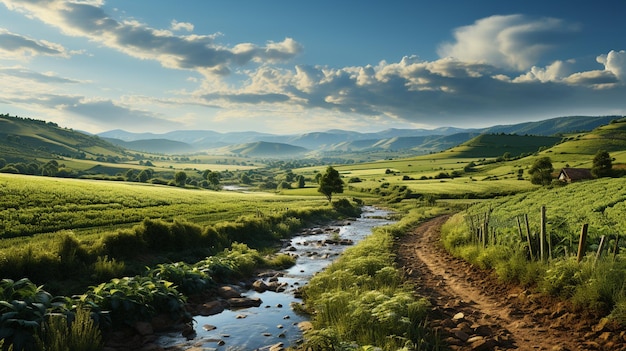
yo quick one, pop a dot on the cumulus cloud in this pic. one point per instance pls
(186, 26)
(18, 47)
(615, 62)
(192, 52)
(512, 41)
(427, 92)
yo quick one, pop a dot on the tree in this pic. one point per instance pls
(330, 182)
(49, 169)
(541, 171)
(180, 178)
(144, 175)
(245, 179)
(206, 173)
(214, 178)
(602, 165)
(301, 181)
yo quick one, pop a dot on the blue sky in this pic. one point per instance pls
(298, 66)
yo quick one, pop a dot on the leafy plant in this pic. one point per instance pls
(188, 279)
(23, 308)
(132, 299)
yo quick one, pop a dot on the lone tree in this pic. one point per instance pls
(541, 171)
(180, 178)
(602, 165)
(330, 182)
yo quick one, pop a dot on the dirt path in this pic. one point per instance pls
(472, 311)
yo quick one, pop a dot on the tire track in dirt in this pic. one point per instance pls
(473, 311)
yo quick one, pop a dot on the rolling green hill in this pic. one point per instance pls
(494, 145)
(28, 139)
(158, 146)
(263, 149)
(610, 137)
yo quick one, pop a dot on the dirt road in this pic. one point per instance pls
(473, 311)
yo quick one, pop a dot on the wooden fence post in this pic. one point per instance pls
(486, 230)
(582, 243)
(600, 249)
(528, 238)
(519, 228)
(542, 234)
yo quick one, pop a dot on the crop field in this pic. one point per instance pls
(34, 205)
(600, 203)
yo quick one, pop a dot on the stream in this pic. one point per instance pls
(274, 321)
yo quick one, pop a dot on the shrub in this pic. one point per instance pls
(71, 252)
(344, 207)
(562, 278)
(132, 299)
(124, 243)
(105, 268)
(188, 279)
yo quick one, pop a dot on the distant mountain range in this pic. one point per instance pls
(263, 144)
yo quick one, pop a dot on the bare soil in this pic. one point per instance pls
(472, 310)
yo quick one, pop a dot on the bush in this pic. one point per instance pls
(105, 269)
(133, 299)
(125, 243)
(562, 278)
(188, 279)
(344, 207)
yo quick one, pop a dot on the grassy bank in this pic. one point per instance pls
(362, 301)
(596, 283)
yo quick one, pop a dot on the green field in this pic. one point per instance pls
(32, 205)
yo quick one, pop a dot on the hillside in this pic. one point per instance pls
(553, 126)
(262, 149)
(420, 141)
(494, 145)
(610, 137)
(159, 146)
(27, 139)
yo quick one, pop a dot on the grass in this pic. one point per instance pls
(72, 232)
(595, 284)
(38, 205)
(362, 300)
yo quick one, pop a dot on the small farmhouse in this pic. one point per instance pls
(569, 175)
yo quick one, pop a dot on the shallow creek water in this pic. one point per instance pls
(258, 328)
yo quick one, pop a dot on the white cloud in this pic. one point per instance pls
(615, 62)
(17, 47)
(427, 92)
(191, 52)
(26, 74)
(512, 41)
(186, 26)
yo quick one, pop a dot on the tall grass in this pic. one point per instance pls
(597, 285)
(362, 301)
(79, 334)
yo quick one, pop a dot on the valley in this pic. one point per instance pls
(81, 216)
